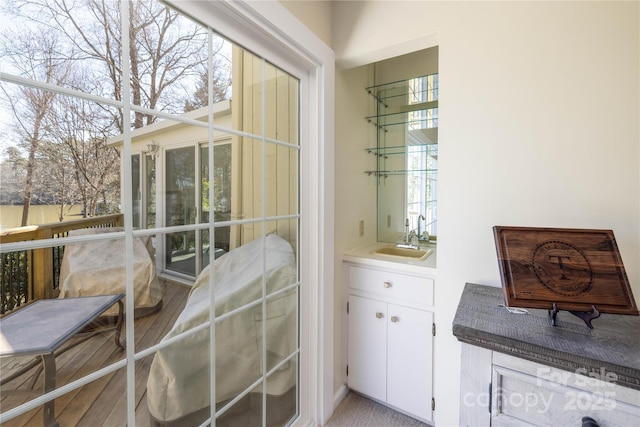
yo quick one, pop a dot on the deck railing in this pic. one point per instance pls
(30, 275)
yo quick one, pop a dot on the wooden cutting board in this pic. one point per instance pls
(573, 268)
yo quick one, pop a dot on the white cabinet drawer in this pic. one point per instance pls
(406, 287)
(545, 396)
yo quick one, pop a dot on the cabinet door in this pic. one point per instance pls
(409, 364)
(368, 347)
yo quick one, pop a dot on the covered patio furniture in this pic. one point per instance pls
(98, 268)
(178, 387)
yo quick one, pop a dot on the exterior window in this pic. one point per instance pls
(422, 184)
(149, 193)
(225, 221)
(136, 191)
(180, 190)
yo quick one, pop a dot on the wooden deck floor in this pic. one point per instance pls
(101, 402)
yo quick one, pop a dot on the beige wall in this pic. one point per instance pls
(408, 66)
(315, 14)
(539, 107)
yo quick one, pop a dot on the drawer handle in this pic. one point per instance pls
(395, 319)
(387, 284)
(378, 315)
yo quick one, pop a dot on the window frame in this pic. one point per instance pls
(267, 27)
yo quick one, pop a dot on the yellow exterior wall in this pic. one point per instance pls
(280, 162)
(281, 117)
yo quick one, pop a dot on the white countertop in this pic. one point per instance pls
(365, 255)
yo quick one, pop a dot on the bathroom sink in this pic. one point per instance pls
(416, 254)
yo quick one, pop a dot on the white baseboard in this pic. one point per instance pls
(339, 395)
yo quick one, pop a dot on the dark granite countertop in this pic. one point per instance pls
(613, 346)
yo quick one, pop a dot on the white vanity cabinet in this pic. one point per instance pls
(390, 338)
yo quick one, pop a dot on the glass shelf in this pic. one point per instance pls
(403, 172)
(403, 149)
(403, 121)
(413, 108)
(402, 155)
(403, 93)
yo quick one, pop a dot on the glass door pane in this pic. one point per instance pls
(180, 197)
(221, 206)
(150, 191)
(136, 189)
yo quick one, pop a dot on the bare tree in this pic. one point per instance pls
(64, 137)
(56, 180)
(167, 56)
(37, 56)
(166, 50)
(80, 130)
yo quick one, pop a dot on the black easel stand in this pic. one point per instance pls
(587, 317)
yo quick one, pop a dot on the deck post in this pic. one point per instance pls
(42, 267)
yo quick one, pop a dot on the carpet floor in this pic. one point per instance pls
(356, 410)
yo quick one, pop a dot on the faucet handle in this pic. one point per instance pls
(413, 238)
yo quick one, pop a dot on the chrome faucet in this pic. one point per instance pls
(406, 230)
(410, 238)
(421, 217)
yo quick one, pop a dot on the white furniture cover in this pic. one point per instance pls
(178, 383)
(98, 268)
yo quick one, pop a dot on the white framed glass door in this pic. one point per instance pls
(187, 202)
(181, 208)
(218, 209)
(267, 135)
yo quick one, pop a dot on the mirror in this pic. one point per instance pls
(404, 145)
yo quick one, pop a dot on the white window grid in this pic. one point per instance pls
(129, 233)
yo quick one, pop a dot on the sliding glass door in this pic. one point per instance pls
(180, 209)
(210, 195)
(143, 185)
(187, 202)
(218, 209)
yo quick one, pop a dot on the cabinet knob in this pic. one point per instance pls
(378, 315)
(387, 284)
(395, 319)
